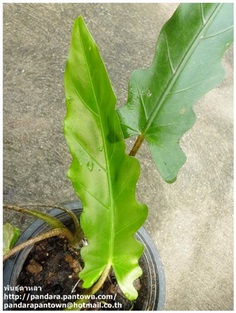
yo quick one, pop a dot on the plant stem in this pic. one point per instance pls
(78, 234)
(91, 291)
(100, 281)
(49, 234)
(52, 221)
(136, 145)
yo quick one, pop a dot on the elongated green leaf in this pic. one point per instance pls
(10, 236)
(103, 176)
(186, 65)
(50, 220)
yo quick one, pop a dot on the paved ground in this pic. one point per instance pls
(191, 220)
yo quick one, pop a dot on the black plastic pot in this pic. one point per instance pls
(151, 263)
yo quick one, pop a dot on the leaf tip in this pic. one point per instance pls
(171, 180)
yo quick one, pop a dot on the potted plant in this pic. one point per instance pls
(186, 65)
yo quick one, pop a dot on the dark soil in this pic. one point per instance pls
(50, 281)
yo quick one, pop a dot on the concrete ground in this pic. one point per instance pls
(191, 221)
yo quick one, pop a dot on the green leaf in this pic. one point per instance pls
(10, 236)
(186, 65)
(50, 220)
(103, 176)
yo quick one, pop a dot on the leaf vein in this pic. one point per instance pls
(202, 14)
(192, 86)
(121, 189)
(142, 102)
(85, 150)
(127, 226)
(93, 196)
(168, 54)
(187, 88)
(218, 33)
(79, 96)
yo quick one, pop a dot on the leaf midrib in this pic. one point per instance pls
(179, 68)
